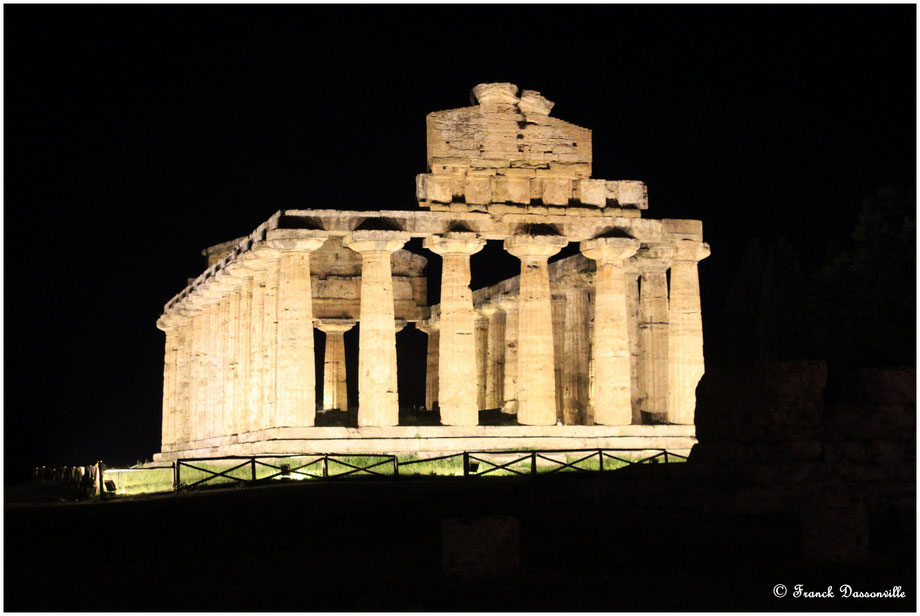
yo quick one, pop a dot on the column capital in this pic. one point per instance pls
(169, 321)
(690, 250)
(454, 243)
(428, 326)
(238, 269)
(307, 240)
(258, 257)
(508, 302)
(489, 308)
(386, 242)
(609, 249)
(334, 326)
(654, 257)
(528, 247)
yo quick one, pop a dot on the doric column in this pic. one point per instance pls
(202, 329)
(184, 386)
(654, 262)
(212, 335)
(241, 421)
(378, 397)
(509, 305)
(481, 343)
(169, 324)
(433, 329)
(335, 383)
(231, 356)
(631, 274)
(536, 378)
(295, 399)
(495, 355)
(559, 336)
(270, 336)
(457, 367)
(255, 419)
(193, 348)
(685, 333)
(575, 388)
(612, 400)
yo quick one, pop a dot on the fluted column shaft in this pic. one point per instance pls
(185, 387)
(270, 340)
(575, 387)
(632, 317)
(203, 374)
(559, 358)
(335, 382)
(536, 375)
(653, 330)
(241, 419)
(231, 360)
(685, 333)
(495, 354)
(481, 340)
(431, 363)
(256, 307)
(509, 387)
(296, 362)
(170, 360)
(612, 397)
(457, 352)
(378, 396)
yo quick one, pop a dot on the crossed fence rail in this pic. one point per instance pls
(474, 464)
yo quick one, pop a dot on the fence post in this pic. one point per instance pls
(600, 459)
(99, 487)
(666, 456)
(533, 462)
(252, 464)
(395, 466)
(178, 474)
(466, 464)
(325, 466)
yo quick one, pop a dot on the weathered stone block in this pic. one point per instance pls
(556, 191)
(592, 192)
(510, 190)
(478, 189)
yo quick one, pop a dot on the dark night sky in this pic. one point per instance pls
(136, 136)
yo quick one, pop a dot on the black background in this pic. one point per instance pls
(138, 135)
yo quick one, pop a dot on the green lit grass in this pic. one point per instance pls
(310, 468)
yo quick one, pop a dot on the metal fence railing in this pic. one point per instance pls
(195, 473)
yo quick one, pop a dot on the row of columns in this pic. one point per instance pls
(534, 355)
(239, 353)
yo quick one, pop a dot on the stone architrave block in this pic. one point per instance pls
(634, 194)
(439, 188)
(478, 189)
(592, 192)
(510, 190)
(556, 191)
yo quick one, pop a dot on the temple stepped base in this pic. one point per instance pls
(430, 441)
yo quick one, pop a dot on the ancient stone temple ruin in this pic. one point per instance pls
(603, 348)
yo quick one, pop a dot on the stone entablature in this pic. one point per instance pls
(604, 337)
(507, 151)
